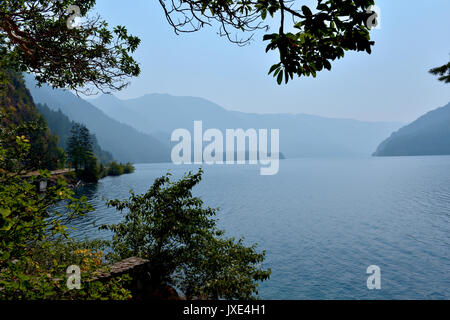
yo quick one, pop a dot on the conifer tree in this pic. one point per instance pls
(81, 153)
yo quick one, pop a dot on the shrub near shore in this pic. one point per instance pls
(116, 169)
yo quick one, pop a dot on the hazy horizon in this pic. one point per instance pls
(391, 84)
(91, 100)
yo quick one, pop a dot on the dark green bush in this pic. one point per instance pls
(115, 169)
(128, 168)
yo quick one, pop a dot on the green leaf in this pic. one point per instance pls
(306, 11)
(272, 69)
(280, 78)
(6, 227)
(5, 212)
(264, 14)
(322, 7)
(5, 256)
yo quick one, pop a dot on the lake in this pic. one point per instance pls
(322, 222)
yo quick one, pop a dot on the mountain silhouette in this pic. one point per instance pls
(428, 135)
(301, 135)
(124, 142)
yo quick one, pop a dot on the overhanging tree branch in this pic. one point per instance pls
(317, 38)
(443, 72)
(34, 37)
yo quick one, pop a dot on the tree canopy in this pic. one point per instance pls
(307, 39)
(81, 153)
(35, 247)
(170, 227)
(35, 36)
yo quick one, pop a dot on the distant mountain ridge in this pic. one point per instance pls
(301, 135)
(124, 142)
(428, 135)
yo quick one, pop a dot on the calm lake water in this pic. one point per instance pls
(322, 222)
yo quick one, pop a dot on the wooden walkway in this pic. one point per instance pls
(125, 266)
(43, 183)
(52, 173)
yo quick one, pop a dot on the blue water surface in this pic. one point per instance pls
(322, 222)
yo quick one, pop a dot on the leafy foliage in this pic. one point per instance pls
(171, 228)
(317, 38)
(117, 169)
(32, 234)
(128, 168)
(443, 72)
(26, 213)
(16, 105)
(34, 37)
(41, 274)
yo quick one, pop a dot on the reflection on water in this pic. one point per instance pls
(322, 222)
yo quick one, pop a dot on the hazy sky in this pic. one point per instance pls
(392, 83)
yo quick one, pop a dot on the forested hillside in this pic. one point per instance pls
(17, 108)
(124, 142)
(61, 125)
(428, 135)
